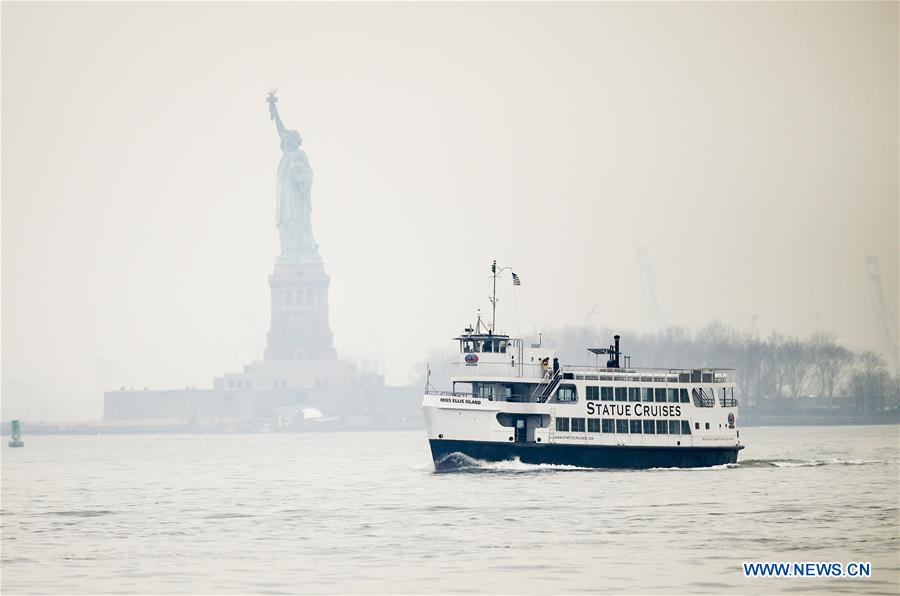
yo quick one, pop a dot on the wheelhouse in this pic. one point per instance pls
(483, 343)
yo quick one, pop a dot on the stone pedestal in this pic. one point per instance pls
(300, 329)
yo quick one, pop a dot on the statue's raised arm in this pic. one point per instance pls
(272, 99)
(290, 139)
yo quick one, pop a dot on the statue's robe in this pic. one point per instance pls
(294, 204)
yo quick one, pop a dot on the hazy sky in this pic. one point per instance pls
(752, 148)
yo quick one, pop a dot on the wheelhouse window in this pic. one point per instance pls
(566, 393)
(562, 424)
(649, 427)
(685, 398)
(608, 425)
(622, 427)
(672, 395)
(577, 425)
(634, 394)
(660, 395)
(606, 394)
(621, 394)
(646, 394)
(485, 391)
(674, 427)
(593, 393)
(490, 344)
(662, 427)
(634, 427)
(593, 425)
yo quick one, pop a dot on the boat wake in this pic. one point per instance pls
(461, 463)
(807, 463)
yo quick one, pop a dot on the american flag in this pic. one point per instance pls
(516, 280)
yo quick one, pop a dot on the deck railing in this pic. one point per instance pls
(659, 375)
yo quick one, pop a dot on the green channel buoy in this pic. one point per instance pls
(16, 429)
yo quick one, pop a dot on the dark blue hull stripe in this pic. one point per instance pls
(583, 456)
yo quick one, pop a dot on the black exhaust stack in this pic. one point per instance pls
(613, 352)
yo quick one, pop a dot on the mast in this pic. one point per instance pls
(495, 271)
(494, 298)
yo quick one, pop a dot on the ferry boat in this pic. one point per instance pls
(510, 401)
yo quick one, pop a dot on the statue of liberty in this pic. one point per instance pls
(293, 203)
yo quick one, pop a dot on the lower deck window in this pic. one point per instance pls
(624, 427)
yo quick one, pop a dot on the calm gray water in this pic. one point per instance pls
(364, 512)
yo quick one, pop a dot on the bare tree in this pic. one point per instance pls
(750, 352)
(870, 383)
(830, 363)
(775, 366)
(795, 358)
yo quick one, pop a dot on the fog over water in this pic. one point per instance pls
(750, 148)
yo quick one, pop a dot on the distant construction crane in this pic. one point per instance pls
(654, 314)
(884, 319)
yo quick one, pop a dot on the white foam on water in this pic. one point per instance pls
(465, 462)
(807, 463)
